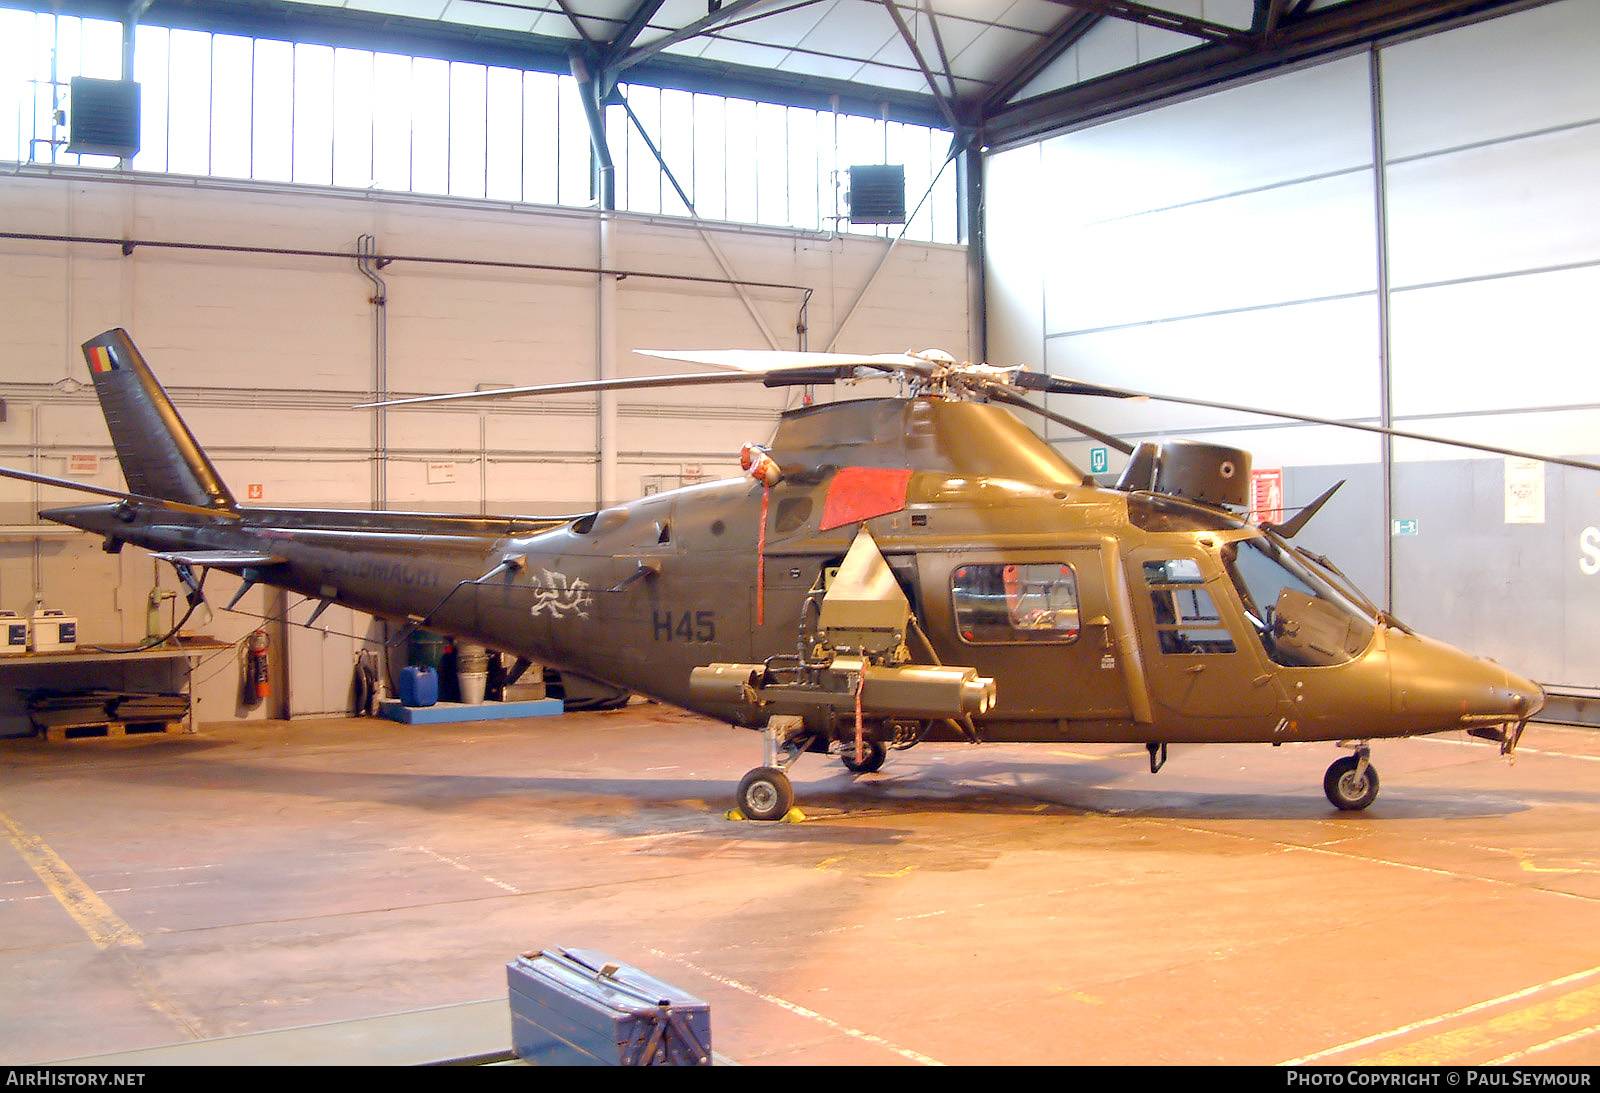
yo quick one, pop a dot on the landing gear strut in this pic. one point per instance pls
(1352, 782)
(766, 793)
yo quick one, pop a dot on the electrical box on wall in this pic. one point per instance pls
(103, 119)
(877, 195)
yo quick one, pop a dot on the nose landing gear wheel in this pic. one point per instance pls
(1351, 783)
(765, 794)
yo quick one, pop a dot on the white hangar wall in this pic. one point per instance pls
(266, 351)
(1412, 228)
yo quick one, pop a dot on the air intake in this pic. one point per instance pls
(1208, 473)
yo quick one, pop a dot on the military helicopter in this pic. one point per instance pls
(892, 571)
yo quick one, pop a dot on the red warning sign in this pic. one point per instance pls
(1266, 494)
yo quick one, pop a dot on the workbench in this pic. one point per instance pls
(166, 667)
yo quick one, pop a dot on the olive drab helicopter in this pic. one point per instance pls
(892, 571)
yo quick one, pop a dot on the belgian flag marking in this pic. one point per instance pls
(101, 360)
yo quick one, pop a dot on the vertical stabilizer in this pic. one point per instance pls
(158, 453)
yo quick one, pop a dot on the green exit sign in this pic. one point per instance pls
(1099, 460)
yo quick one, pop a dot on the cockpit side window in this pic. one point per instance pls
(1015, 602)
(1186, 616)
(1301, 621)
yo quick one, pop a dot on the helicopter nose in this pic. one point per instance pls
(1437, 683)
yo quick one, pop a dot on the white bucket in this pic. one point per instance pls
(472, 672)
(471, 685)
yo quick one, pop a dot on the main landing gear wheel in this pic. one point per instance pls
(1351, 783)
(765, 794)
(873, 754)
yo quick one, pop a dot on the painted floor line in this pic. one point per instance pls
(1465, 1011)
(1464, 1044)
(1559, 1041)
(801, 1011)
(92, 913)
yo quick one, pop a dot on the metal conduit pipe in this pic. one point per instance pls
(130, 245)
(606, 369)
(369, 264)
(1380, 227)
(605, 173)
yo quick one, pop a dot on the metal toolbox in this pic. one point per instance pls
(573, 1007)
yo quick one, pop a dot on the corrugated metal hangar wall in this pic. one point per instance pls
(1407, 234)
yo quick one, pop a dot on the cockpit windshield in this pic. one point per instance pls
(1301, 619)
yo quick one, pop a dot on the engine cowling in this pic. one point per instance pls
(1210, 474)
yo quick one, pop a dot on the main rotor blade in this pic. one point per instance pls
(141, 498)
(770, 360)
(1058, 385)
(1000, 394)
(579, 387)
(791, 368)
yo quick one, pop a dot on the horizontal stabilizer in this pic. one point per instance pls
(122, 495)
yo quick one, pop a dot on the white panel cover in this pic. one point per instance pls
(1298, 126)
(1515, 342)
(1283, 245)
(1516, 205)
(1317, 359)
(1520, 73)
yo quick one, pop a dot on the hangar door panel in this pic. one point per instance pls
(318, 671)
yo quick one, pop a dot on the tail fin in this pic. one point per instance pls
(159, 455)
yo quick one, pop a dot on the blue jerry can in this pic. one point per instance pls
(419, 686)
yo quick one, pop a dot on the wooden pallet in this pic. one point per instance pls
(105, 729)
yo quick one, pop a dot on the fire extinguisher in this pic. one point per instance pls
(257, 680)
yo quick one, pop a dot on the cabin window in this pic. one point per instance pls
(1015, 602)
(1186, 616)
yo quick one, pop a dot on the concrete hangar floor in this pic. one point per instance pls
(350, 891)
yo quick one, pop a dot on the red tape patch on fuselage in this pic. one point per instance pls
(860, 493)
